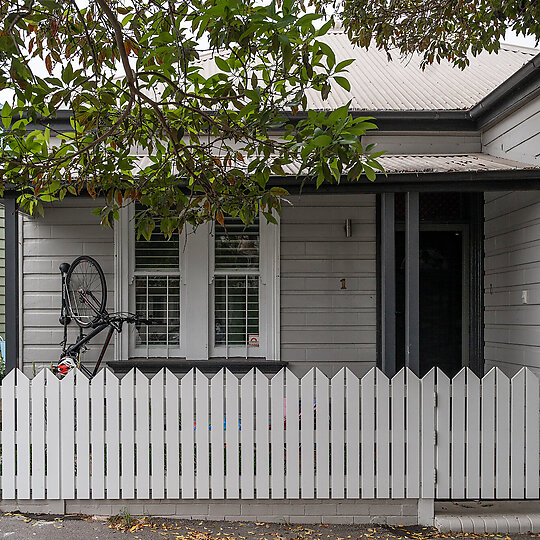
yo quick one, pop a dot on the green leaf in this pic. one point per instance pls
(270, 218)
(343, 64)
(338, 114)
(6, 115)
(330, 56)
(325, 28)
(222, 64)
(322, 140)
(370, 173)
(320, 179)
(343, 82)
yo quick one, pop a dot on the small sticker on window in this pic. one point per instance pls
(253, 340)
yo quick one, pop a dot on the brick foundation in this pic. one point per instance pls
(343, 511)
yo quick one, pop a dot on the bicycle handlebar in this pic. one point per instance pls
(117, 320)
(133, 319)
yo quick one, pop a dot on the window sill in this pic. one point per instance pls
(181, 365)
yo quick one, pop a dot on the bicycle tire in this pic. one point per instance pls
(85, 284)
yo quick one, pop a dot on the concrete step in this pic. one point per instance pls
(488, 516)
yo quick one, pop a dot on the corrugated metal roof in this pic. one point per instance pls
(422, 163)
(378, 84)
(438, 163)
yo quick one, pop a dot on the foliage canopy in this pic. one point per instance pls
(133, 74)
(438, 29)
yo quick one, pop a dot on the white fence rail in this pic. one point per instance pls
(260, 438)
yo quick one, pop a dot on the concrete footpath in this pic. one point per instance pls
(17, 526)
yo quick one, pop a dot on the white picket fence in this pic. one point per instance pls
(278, 438)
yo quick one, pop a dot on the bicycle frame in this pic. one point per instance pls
(102, 321)
(65, 319)
(76, 347)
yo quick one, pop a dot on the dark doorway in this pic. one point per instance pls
(442, 300)
(450, 288)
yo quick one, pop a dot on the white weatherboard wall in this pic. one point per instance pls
(322, 324)
(68, 230)
(512, 249)
(517, 136)
(512, 280)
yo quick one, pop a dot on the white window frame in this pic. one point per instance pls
(127, 347)
(196, 294)
(268, 297)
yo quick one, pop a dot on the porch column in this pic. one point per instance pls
(388, 285)
(11, 280)
(412, 283)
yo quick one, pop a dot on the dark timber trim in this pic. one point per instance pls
(476, 181)
(12, 280)
(181, 365)
(411, 120)
(378, 333)
(476, 284)
(499, 180)
(408, 120)
(412, 282)
(388, 285)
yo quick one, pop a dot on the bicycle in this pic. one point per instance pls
(84, 297)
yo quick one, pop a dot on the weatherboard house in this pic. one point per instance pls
(436, 265)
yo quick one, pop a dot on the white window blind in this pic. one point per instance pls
(157, 291)
(236, 284)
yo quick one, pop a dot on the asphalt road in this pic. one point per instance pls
(14, 526)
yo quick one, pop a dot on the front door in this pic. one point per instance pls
(443, 296)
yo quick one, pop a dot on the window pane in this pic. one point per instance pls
(237, 245)
(158, 299)
(158, 253)
(237, 313)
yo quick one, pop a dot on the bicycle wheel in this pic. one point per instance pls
(86, 291)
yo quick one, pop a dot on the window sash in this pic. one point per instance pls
(164, 338)
(236, 314)
(225, 317)
(162, 308)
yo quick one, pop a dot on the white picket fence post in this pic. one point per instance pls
(270, 437)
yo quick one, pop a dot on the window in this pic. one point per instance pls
(157, 292)
(211, 292)
(236, 285)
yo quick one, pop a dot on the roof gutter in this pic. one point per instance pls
(521, 87)
(406, 120)
(411, 120)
